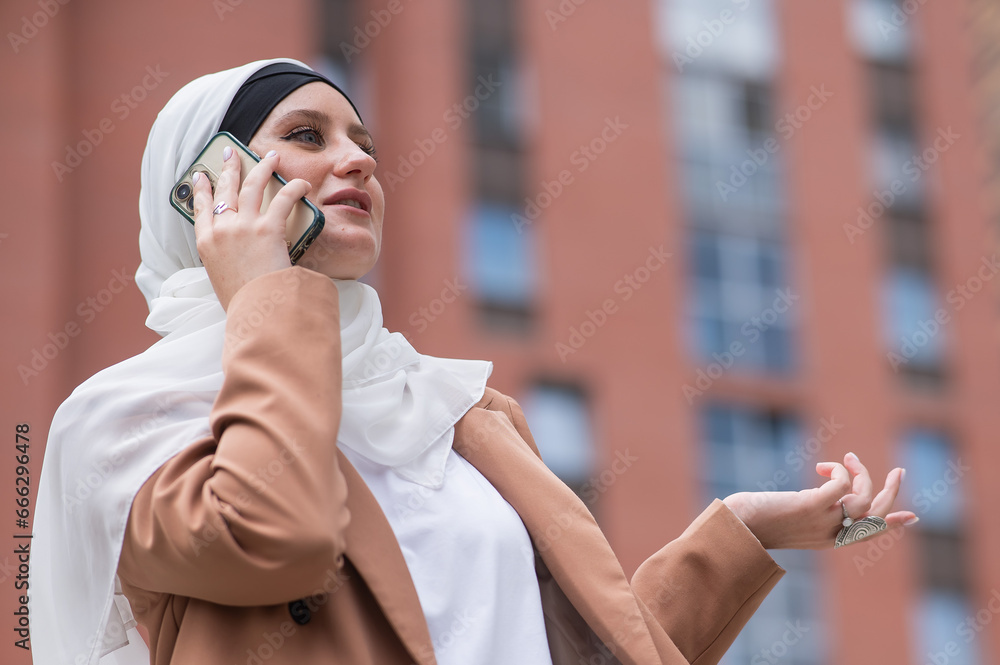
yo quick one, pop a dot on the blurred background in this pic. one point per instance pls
(706, 244)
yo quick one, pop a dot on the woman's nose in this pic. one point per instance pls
(353, 159)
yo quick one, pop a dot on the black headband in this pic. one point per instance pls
(260, 93)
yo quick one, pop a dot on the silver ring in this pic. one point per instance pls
(222, 207)
(848, 521)
(861, 529)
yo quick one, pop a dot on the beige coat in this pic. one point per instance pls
(266, 522)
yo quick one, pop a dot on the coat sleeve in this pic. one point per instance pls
(703, 587)
(256, 513)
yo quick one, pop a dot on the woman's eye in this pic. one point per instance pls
(306, 135)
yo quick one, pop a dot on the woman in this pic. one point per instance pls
(197, 486)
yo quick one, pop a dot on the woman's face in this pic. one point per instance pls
(320, 138)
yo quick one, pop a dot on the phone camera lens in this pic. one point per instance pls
(183, 191)
(190, 204)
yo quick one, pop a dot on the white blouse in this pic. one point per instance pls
(471, 561)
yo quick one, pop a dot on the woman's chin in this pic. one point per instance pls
(342, 256)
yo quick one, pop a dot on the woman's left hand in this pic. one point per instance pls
(812, 518)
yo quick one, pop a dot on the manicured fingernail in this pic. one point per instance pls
(227, 152)
(913, 520)
(196, 177)
(902, 475)
(270, 153)
(853, 456)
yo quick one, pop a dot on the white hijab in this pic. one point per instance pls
(119, 426)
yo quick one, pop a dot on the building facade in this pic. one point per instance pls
(705, 243)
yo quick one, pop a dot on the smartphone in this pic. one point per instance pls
(303, 224)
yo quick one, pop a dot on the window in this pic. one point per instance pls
(915, 339)
(936, 473)
(908, 243)
(880, 29)
(746, 449)
(897, 176)
(889, 87)
(339, 53)
(560, 424)
(934, 628)
(732, 179)
(741, 294)
(733, 35)
(500, 257)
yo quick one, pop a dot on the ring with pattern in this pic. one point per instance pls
(861, 529)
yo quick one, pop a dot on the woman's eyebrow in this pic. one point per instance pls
(310, 116)
(320, 119)
(355, 130)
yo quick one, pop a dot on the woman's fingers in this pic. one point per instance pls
(901, 518)
(203, 205)
(281, 205)
(252, 194)
(883, 501)
(839, 483)
(859, 501)
(228, 186)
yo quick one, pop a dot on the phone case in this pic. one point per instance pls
(303, 224)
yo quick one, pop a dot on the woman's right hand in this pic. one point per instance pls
(240, 244)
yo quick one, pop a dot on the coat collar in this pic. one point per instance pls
(562, 529)
(374, 551)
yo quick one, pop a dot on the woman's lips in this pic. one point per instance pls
(353, 199)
